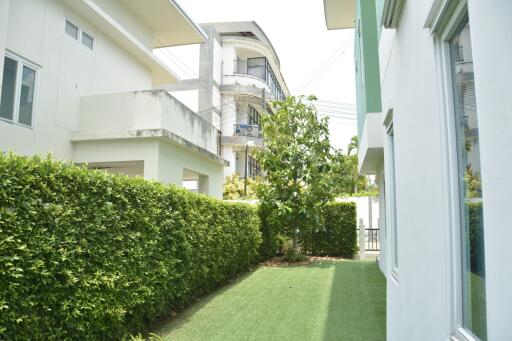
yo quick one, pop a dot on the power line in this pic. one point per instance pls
(324, 66)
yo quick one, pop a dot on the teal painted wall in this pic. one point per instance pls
(366, 61)
(379, 7)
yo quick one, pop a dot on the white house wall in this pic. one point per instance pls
(420, 303)
(174, 159)
(491, 38)
(67, 72)
(422, 288)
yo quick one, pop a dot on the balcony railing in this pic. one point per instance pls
(246, 130)
(260, 68)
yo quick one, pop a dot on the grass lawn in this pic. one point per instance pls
(327, 300)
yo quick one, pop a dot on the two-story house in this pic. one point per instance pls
(435, 116)
(77, 80)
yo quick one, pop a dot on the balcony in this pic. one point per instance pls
(144, 115)
(246, 130)
(260, 69)
(242, 134)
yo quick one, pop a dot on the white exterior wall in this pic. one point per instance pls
(124, 112)
(420, 303)
(491, 28)
(70, 77)
(67, 72)
(417, 306)
(174, 159)
(163, 161)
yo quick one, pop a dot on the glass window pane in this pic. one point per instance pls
(257, 67)
(72, 30)
(87, 40)
(8, 88)
(470, 184)
(28, 82)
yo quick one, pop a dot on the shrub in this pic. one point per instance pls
(234, 187)
(86, 255)
(339, 234)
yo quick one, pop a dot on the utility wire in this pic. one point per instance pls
(324, 66)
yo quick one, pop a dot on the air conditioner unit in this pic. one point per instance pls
(247, 130)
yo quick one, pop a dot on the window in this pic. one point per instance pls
(254, 167)
(71, 30)
(79, 35)
(257, 67)
(392, 199)
(469, 183)
(87, 40)
(254, 116)
(8, 88)
(18, 91)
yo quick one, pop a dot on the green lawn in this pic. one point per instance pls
(328, 300)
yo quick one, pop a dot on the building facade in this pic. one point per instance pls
(77, 80)
(239, 74)
(434, 111)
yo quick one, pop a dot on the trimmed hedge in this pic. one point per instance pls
(86, 255)
(339, 235)
(476, 238)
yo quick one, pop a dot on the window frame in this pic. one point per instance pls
(443, 29)
(91, 36)
(391, 205)
(22, 62)
(66, 21)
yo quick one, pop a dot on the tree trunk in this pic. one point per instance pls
(296, 241)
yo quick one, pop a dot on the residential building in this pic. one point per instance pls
(239, 74)
(433, 93)
(77, 81)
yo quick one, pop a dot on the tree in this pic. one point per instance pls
(358, 181)
(298, 161)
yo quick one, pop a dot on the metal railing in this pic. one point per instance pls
(260, 68)
(372, 240)
(246, 130)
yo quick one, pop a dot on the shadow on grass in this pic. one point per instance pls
(357, 303)
(165, 324)
(344, 303)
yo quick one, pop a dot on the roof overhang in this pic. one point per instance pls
(100, 19)
(170, 25)
(340, 14)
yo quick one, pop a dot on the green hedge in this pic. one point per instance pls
(272, 242)
(476, 238)
(339, 235)
(85, 255)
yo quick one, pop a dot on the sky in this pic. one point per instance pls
(313, 59)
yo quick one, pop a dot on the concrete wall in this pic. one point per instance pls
(174, 159)
(163, 160)
(421, 300)
(68, 71)
(363, 210)
(145, 110)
